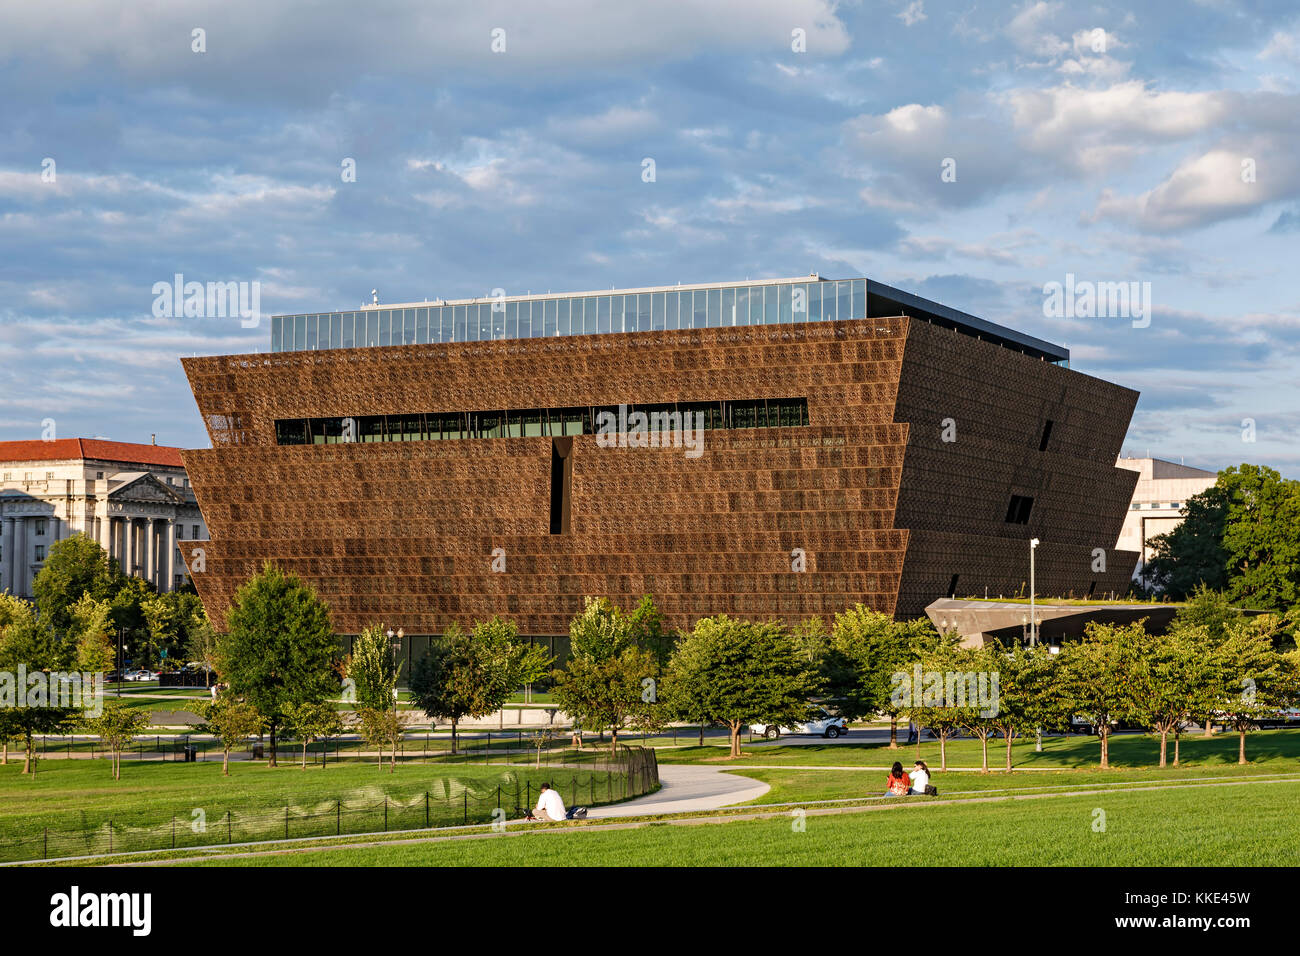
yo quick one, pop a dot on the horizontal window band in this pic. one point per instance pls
(544, 422)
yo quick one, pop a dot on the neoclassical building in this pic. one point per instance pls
(134, 499)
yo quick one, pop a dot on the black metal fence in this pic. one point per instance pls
(506, 745)
(187, 678)
(584, 780)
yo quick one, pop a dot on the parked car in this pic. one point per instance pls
(1282, 718)
(1081, 725)
(820, 723)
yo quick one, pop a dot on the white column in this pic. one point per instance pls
(150, 552)
(20, 557)
(10, 558)
(169, 562)
(105, 532)
(132, 546)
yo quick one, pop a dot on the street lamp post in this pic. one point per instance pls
(1033, 621)
(1033, 629)
(395, 641)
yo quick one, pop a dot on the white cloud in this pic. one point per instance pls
(614, 125)
(151, 40)
(1282, 46)
(912, 14)
(1028, 30)
(1094, 129)
(1209, 187)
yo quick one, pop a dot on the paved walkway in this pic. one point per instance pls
(687, 787)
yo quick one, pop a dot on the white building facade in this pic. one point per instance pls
(135, 500)
(1162, 491)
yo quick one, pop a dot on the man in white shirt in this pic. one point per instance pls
(549, 804)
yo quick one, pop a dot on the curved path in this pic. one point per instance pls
(687, 787)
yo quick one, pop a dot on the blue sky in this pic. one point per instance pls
(1091, 139)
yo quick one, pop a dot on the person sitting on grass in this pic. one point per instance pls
(897, 783)
(550, 807)
(920, 779)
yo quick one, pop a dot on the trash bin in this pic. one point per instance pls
(191, 753)
(259, 752)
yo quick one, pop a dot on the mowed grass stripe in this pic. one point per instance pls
(1222, 823)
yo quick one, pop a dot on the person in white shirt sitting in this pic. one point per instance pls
(549, 805)
(920, 779)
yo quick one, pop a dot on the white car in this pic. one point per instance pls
(819, 723)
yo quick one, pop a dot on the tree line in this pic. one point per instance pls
(1240, 537)
(281, 670)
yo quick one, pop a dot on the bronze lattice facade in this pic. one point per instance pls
(897, 491)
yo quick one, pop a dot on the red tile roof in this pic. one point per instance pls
(94, 449)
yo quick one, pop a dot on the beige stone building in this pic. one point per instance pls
(134, 499)
(1162, 490)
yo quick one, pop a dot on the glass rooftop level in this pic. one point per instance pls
(763, 302)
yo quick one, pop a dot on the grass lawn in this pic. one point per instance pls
(1227, 826)
(794, 786)
(1077, 752)
(76, 800)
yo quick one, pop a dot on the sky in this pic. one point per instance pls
(973, 153)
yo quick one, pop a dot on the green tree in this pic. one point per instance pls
(203, 645)
(1262, 539)
(978, 693)
(867, 652)
(1099, 676)
(1192, 556)
(532, 662)
(230, 720)
(1204, 621)
(310, 722)
(599, 639)
(171, 620)
(90, 631)
(1255, 680)
(1241, 536)
(26, 642)
(743, 672)
(473, 673)
(1205, 607)
(649, 631)
(600, 631)
(684, 691)
(381, 728)
(1034, 694)
(372, 668)
(933, 710)
(74, 566)
(279, 648)
(11, 731)
(128, 616)
(619, 692)
(116, 727)
(1171, 681)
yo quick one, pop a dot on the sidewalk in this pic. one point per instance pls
(684, 788)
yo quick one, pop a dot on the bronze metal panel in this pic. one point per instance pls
(405, 531)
